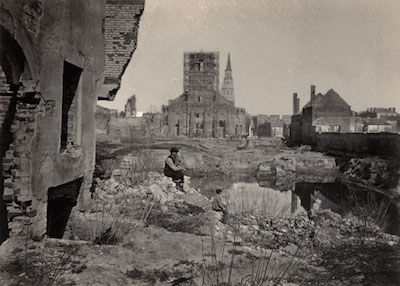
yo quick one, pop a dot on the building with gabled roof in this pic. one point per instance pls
(333, 108)
(323, 113)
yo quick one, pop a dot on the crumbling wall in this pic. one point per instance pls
(7, 112)
(50, 144)
(121, 26)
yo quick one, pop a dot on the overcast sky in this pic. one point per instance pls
(277, 47)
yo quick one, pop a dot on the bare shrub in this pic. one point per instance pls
(116, 220)
(139, 168)
(218, 272)
(367, 218)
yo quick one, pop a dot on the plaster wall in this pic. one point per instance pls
(50, 34)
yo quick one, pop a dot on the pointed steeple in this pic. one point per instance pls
(227, 87)
(228, 64)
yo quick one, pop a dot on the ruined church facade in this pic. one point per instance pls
(202, 111)
(55, 64)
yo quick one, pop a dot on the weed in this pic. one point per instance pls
(118, 219)
(366, 215)
(41, 266)
(138, 168)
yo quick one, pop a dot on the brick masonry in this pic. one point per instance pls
(120, 39)
(43, 35)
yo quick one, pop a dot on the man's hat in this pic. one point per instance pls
(174, 149)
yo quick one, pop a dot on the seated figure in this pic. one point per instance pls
(173, 168)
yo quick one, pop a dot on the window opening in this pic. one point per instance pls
(70, 117)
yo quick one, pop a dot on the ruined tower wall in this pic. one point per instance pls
(201, 111)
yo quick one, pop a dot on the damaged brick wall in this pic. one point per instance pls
(7, 111)
(18, 166)
(39, 37)
(121, 26)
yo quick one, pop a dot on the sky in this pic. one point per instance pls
(277, 47)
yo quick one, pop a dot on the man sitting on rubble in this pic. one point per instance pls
(219, 206)
(173, 168)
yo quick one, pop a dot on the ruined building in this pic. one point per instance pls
(57, 59)
(130, 107)
(201, 111)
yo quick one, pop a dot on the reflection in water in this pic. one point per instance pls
(246, 195)
(250, 198)
(208, 185)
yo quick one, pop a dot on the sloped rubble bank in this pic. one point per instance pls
(373, 173)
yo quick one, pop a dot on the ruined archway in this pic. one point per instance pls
(14, 69)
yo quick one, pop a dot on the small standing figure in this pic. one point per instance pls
(173, 168)
(219, 206)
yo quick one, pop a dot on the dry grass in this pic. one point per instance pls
(138, 168)
(114, 221)
(43, 265)
(119, 214)
(367, 218)
(220, 268)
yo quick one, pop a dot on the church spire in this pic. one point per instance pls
(227, 87)
(228, 64)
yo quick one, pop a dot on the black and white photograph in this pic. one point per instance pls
(200, 142)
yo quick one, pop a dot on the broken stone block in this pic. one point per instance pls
(8, 194)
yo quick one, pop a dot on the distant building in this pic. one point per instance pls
(270, 125)
(130, 107)
(377, 125)
(380, 112)
(201, 111)
(152, 120)
(323, 113)
(287, 119)
(329, 113)
(277, 128)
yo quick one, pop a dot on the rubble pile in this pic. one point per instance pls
(323, 229)
(373, 171)
(291, 167)
(275, 233)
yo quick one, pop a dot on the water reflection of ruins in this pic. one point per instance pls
(261, 197)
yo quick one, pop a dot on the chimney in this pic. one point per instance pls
(312, 93)
(298, 106)
(394, 109)
(295, 104)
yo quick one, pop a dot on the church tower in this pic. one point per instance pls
(227, 86)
